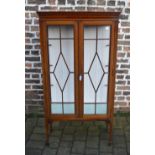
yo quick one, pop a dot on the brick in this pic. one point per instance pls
(28, 46)
(122, 60)
(122, 71)
(35, 52)
(124, 42)
(91, 2)
(111, 3)
(123, 17)
(36, 1)
(101, 2)
(29, 35)
(36, 21)
(28, 65)
(125, 66)
(121, 82)
(27, 86)
(120, 98)
(48, 8)
(120, 54)
(121, 3)
(26, 15)
(72, 2)
(81, 2)
(125, 24)
(37, 46)
(27, 75)
(119, 48)
(35, 75)
(127, 10)
(32, 59)
(38, 65)
(126, 48)
(118, 93)
(52, 2)
(28, 21)
(27, 28)
(27, 40)
(127, 77)
(66, 8)
(120, 76)
(126, 93)
(123, 88)
(80, 8)
(33, 14)
(62, 2)
(127, 36)
(32, 70)
(120, 36)
(27, 52)
(31, 8)
(34, 28)
(37, 87)
(126, 30)
(32, 81)
(35, 40)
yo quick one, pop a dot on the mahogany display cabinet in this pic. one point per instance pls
(78, 62)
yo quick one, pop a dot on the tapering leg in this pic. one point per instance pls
(110, 131)
(47, 130)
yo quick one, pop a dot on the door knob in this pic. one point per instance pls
(80, 77)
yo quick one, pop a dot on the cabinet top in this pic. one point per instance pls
(97, 14)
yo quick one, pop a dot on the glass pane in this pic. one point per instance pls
(56, 108)
(69, 108)
(89, 32)
(89, 95)
(96, 72)
(53, 32)
(56, 95)
(89, 108)
(102, 92)
(67, 50)
(54, 51)
(101, 108)
(66, 31)
(89, 48)
(104, 32)
(61, 61)
(61, 72)
(96, 64)
(69, 89)
(103, 52)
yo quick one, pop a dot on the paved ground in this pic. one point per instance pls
(78, 138)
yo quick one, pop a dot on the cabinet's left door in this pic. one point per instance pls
(62, 67)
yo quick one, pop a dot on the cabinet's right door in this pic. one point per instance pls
(95, 55)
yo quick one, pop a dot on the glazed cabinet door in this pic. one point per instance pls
(62, 54)
(95, 54)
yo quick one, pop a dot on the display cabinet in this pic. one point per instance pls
(78, 64)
